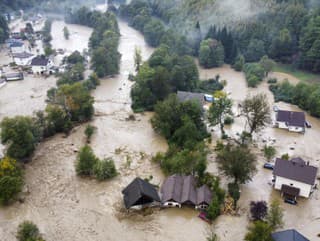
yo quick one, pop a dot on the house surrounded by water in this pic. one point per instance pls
(294, 178)
(291, 120)
(41, 65)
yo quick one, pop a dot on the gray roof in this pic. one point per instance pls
(183, 190)
(184, 96)
(292, 118)
(288, 235)
(139, 192)
(295, 171)
(40, 61)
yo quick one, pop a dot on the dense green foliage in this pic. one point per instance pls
(105, 169)
(211, 53)
(4, 29)
(306, 96)
(254, 74)
(19, 133)
(28, 231)
(10, 179)
(163, 74)
(259, 230)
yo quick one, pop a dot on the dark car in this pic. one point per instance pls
(268, 166)
(290, 201)
(308, 124)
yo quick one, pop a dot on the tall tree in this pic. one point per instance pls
(221, 107)
(137, 58)
(259, 231)
(237, 162)
(275, 215)
(256, 110)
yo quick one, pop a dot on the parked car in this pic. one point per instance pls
(268, 166)
(290, 201)
(308, 124)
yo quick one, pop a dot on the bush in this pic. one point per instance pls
(254, 74)
(214, 209)
(258, 210)
(269, 152)
(285, 156)
(228, 120)
(89, 131)
(28, 231)
(272, 81)
(234, 192)
(105, 169)
(86, 161)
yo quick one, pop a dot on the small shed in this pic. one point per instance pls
(139, 192)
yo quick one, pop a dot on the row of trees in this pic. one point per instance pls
(46, 37)
(306, 96)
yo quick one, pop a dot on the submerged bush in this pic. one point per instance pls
(105, 169)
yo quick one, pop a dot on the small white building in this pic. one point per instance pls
(294, 178)
(293, 121)
(17, 47)
(22, 59)
(41, 65)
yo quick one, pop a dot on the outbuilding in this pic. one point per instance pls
(22, 59)
(17, 47)
(294, 178)
(139, 193)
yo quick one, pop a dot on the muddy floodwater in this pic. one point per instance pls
(67, 208)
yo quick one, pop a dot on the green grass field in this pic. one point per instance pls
(300, 74)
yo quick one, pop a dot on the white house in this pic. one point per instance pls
(294, 178)
(291, 120)
(22, 59)
(41, 65)
(17, 47)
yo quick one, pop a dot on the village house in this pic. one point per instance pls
(41, 65)
(17, 47)
(139, 193)
(180, 190)
(22, 59)
(294, 178)
(288, 235)
(291, 120)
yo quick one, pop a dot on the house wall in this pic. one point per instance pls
(281, 125)
(39, 69)
(305, 189)
(296, 129)
(18, 49)
(23, 61)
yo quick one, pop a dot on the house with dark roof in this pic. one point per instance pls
(288, 235)
(180, 190)
(41, 65)
(294, 178)
(291, 120)
(139, 193)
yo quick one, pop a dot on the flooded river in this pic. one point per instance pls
(66, 207)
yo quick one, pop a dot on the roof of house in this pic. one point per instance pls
(300, 172)
(293, 118)
(288, 235)
(23, 55)
(139, 192)
(184, 96)
(40, 61)
(16, 44)
(182, 189)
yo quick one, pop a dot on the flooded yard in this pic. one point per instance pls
(66, 207)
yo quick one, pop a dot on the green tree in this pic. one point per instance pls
(259, 231)
(239, 63)
(137, 58)
(211, 53)
(28, 231)
(267, 64)
(57, 120)
(214, 209)
(66, 32)
(86, 161)
(153, 31)
(255, 50)
(236, 162)
(275, 216)
(19, 134)
(256, 110)
(89, 131)
(269, 152)
(219, 109)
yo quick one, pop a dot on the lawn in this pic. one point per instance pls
(300, 74)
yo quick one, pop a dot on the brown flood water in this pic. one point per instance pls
(66, 207)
